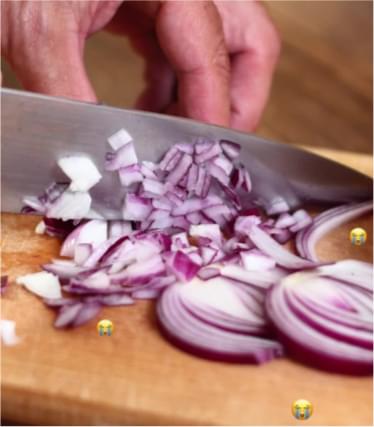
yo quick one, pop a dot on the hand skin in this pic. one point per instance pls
(208, 60)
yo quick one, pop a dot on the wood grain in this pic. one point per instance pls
(135, 377)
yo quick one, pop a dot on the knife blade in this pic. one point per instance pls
(38, 129)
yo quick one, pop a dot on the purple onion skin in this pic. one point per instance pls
(314, 358)
(322, 362)
(268, 355)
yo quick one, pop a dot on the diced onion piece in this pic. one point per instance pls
(119, 139)
(70, 205)
(211, 231)
(82, 172)
(136, 208)
(8, 332)
(40, 227)
(130, 175)
(44, 284)
(123, 157)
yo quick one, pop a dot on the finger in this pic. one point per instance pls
(55, 67)
(136, 21)
(251, 79)
(254, 46)
(191, 35)
(160, 87)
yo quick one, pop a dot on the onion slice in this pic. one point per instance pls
(307, 238)
(323, 322)
(215, 319)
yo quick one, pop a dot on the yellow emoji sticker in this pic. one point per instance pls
(105, 327)
(358, 236)
(302, 409)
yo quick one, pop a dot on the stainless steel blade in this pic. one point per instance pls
(37, 130)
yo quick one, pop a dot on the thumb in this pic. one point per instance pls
(53, 66)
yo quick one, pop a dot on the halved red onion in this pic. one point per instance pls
(324, 322)
(214, 319)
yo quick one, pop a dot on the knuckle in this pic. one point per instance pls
(221, 59)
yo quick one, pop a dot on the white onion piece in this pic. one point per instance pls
(8, 332)
(44, 284)
(210, 231)
(82, 172)
(119, 139)
(123, 157)
(136, 208)
(70, 205)
(40, 227)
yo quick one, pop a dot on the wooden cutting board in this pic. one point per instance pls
(136, 377)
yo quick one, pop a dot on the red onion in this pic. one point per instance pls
(324, 322)
(307, 238)
(191, 238)
(216, 320)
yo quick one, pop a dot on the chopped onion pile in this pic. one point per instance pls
(192, 236)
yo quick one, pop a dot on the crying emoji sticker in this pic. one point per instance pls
(105, 327)
(302, 409)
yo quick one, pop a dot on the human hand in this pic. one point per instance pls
(211, 61)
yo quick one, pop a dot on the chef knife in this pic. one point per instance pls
(38, 129)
